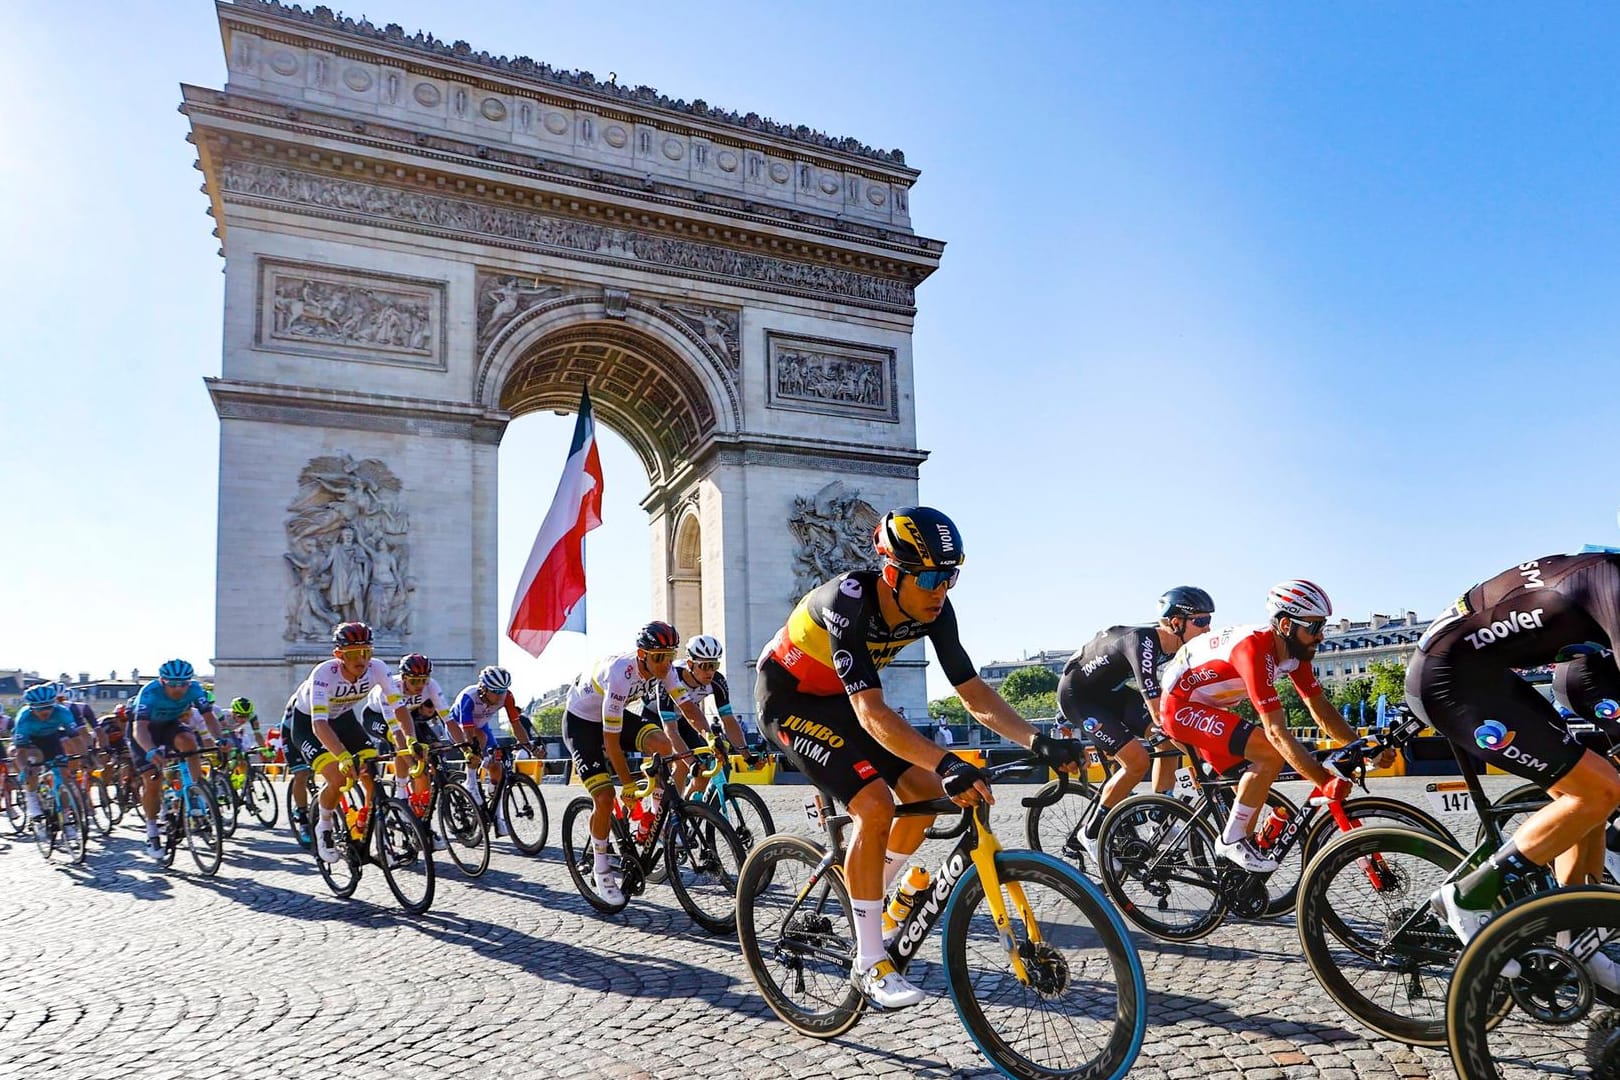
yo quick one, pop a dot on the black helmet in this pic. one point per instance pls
(918, 538)
(657, 635)
(1184, 600)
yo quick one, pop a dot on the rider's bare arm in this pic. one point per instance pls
(991, 709)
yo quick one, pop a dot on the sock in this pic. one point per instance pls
(599, 852)
(151, 830)
(1478, 889)
(1094, 823)
(893, 863)
(1237, 825)
(868, 932)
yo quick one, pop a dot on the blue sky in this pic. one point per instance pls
(1232, 293)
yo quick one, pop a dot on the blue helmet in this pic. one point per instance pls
(43, 694)
(176, 671)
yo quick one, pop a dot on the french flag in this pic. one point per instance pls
(551, 594)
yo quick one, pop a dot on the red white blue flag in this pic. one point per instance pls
(551, 593)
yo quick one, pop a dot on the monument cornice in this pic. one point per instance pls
(725, 210)
(425, 54)
(314, 406)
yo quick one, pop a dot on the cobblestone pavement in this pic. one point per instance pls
(121, 969)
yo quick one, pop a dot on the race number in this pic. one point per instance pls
(1451, 797)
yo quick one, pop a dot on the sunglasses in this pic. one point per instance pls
(1311, 626)
(929, 580)
(1200, 621)
(175, 682)
(704, 665)
(658, 656)
(356, 652)
(415, 680)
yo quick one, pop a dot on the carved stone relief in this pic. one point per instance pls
(838, 378)
(347, 550)
(718, 327)
(320, 310)
(503, 297)
(834, 530)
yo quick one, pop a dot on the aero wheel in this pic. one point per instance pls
(525, 810)
(704, 858)
(11, 793)
(1566, 944)
(1080, 1006)
(1055, 829)
(1368, 933)
(747, 815)
(404, 850)
(1158, 865)
(1367, 810)
(260, 795)
(580, 856)
(205, 835)
(466, 838)
(75, 825)
(798, 936)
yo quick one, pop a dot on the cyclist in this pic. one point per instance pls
(1111, 689)
(1463, 682)
(469, 722)
(598, 739)
(418, 704)
(163, 708)
(422, 695)
(325, 727)
(244, 724)
(112, 740)
(1212, 673)
(818, 694)
(297, 772)
(700, 674)
(42, 730)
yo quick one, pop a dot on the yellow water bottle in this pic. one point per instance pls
(353, 817)
(912, 883)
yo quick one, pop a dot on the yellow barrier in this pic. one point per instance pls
(976, 758)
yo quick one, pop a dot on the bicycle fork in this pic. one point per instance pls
(984, 857)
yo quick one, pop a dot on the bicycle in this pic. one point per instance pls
(1053, 825)
(461, 822)
(63, 823)
(298, 817)
(523, 814)
(1041, 969)
(697, 849)
(742, 807)
(243, 783)
(11, 797)
(189, 813)
(387, 835)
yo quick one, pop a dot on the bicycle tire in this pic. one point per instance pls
(789, 940)
(704, 859)
(311, 811)
(1130, 840)
(260, 795)
(1055, 828)
(225, 799)
(1366, 810)
(75, 815)
(581, 859)
(205, 833)
(342, 876)
(1058, 996)
(104, 808)
(1576, 1026)
(466, 837)
(523, 805)
(1345, 925)
(403, 848)
(16, 803)
(745, 811)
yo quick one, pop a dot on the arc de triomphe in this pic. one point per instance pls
(422, 242)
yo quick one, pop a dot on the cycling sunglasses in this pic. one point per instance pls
(1200, 621)
(1311, 626)
(704, 665)
(929, 580)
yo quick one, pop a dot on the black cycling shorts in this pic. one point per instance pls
(1493, 714)
(1590, 686)
(312, 754)
(821, 735)
(587, 745)
(376, 725)
(48, 744)
(161, 733)
(1110, 721)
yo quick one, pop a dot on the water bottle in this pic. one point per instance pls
(641, 820)
(1272, 828)
(913, 882)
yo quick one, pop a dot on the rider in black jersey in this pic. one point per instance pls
(1463, 681)
(1110, 688)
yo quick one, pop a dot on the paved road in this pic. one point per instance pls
(119, 969)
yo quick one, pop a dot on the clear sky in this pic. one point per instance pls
(1233, 293)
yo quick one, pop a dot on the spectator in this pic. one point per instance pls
(943, 736)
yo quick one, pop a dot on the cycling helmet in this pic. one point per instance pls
(1298, 599)
(704, 647)
(657, 635)
(62, 691)
(176, 671)
(241, 706)
(122, 712)
(43, 694)
(416, 666)
(495, 679)
(918, 538)
(1185, 600)
(351, 634)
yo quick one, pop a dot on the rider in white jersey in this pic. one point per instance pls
(469, 722)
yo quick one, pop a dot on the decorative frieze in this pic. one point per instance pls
(504, 297)
(833, 528)
(336, 312)
(834, 377)
(720, 329)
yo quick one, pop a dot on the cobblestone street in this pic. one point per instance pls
(119, 969)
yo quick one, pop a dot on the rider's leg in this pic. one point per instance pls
(1164, 773)
(1132, 759)
(1264, 764)
(872, 814)
(907, 834)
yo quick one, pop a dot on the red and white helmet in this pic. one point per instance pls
(1298, 599)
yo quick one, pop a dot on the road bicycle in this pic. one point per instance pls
(1040, 967)
(63, 823)
(523, 814)
(189, 814)
(461, 823)
(240, 783)
(694, 847)
(1054, 825)
(386, 835)
(742, 807)
(1158, 853)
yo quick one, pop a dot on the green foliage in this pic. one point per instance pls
(1040, 706)
(1389, 679)
(1029, 681)
(547, 721)
(949, 708)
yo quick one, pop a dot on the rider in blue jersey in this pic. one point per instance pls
(161, 709)
(43, 730)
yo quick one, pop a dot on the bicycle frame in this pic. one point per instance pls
(657, 775)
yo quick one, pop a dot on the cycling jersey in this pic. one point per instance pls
(34, 721)
(1104, 685)
(470, 710)
(327, 694)
(431, 696)
(696, 693)
(83, 713)
(601, 693)
(153, 704)
(837, 640)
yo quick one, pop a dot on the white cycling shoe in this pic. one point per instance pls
(608, 888)
(326, 844)
(1465, 922)
(1245, 854)
(154, 847)
(885, 987)
(1092, 846)
(1604, 971)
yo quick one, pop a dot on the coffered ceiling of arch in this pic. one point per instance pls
(640, 388)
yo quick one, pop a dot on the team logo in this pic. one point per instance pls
(865, 770)
(850, 588)
(1089, 723)
(1607, 709)
(1493, 735)
(842, 662)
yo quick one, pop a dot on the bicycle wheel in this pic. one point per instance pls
(1531, 797)
(1565, 1023)
(1055, 829)
(1282, 884)
(580, 857)
(704, 858)
(11, 793)
(1158, 865)
(205, 835)
(1363, 810)
(343, 876)
(104, 808)
(1366, 930)
(302, 823)
(1081, 1009)
(466, 838)
(524, 808)
(45, 828)
(798, 936)
(404, 850)
(219, 782)
(260, 795)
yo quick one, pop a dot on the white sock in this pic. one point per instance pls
(33, 802)
(1237, 826)
(599, 851)
(868, 932)
(893, 863)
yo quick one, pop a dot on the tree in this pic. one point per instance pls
(1035, 706)
(1389, 679)
(1029, 681)
(547, 721)
(950, 709)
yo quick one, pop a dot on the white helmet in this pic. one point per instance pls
(1298, 599)
(704, 647)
